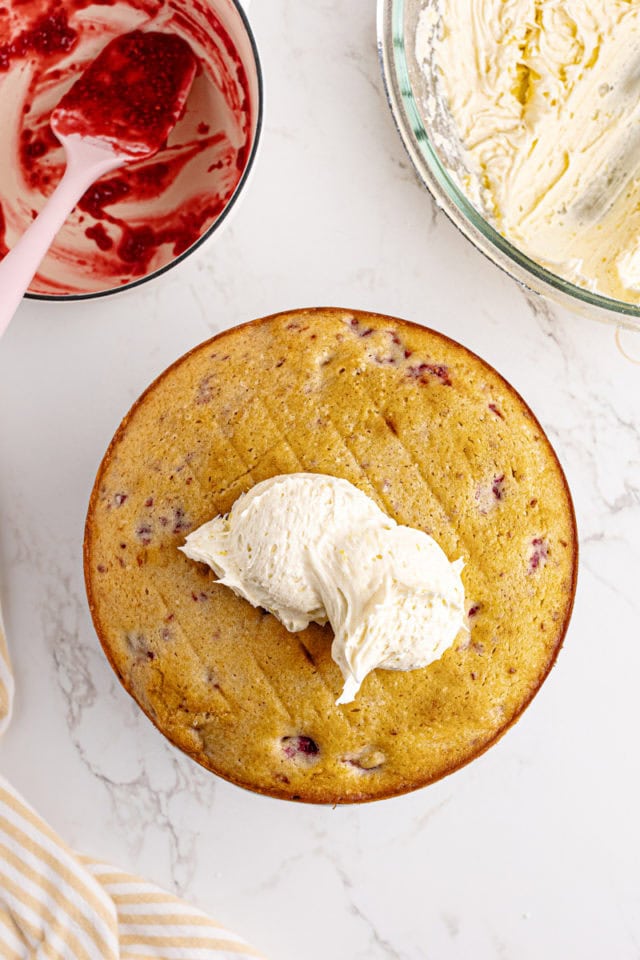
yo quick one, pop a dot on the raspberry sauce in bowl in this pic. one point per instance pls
(132, 95)
(142, 219)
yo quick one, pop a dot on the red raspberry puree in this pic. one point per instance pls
(132, 94)
(134, 221)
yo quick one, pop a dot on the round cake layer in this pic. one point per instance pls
(439, 441)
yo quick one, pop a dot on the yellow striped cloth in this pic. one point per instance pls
(6, 680)
(56, 905)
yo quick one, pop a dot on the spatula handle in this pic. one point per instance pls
(85, 163)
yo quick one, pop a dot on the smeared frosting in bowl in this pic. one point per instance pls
(544, 99)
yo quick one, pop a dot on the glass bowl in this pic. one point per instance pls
(411, 97)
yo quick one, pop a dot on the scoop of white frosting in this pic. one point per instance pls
(310, 547)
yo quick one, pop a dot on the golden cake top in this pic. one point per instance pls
(439, 441)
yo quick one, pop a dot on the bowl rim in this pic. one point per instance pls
(451, 200)
(138, 281)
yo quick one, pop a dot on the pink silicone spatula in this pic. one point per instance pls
(122, 108)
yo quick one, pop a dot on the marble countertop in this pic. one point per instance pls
(529, 852)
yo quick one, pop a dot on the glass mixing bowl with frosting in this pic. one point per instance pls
(521, 117)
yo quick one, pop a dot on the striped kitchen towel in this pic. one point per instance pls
(6, 680)
(55, 905)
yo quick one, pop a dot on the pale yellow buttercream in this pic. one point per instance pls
(312, 547)
(545, 96)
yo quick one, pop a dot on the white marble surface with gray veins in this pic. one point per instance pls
(529, 852)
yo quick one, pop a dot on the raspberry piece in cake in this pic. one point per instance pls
(299, 746)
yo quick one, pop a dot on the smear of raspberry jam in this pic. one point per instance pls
(132, 94)
(50, 34)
